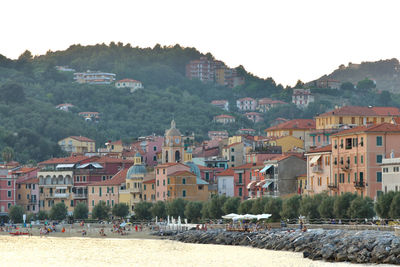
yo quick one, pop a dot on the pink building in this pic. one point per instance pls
(241, 179)
(162, 171)
(202, 69)
(319, 170)
(27, 188)
(246, 104)
(7, 190)
(357, 156)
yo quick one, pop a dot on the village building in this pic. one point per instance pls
(225, 181)
(202, 69)
(254, 116)
(77, 144)
(246, 104)
(218, 135)
(319, 171)
(149, 188)
(224, 119)
(302, 97)
(64, 107)
(222, 104)
(357, 155)
(287, 143)
(90, 116)
(133, 85)
(301, 183)
(7, 190)
(265, 104)
(390, 174)
(93, 77)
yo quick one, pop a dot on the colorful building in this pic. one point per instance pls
(149, 189)
(7, 190)
(287, 143)
(265, 104)
(226, 185)
(222, 104)
(390, 174)
(184, 184)
(357, 155)
(133, 85)
(77, 144)
(224, 119)
(92, 77)
(90, 116)
(254, 116)
(302, 97)
(234, 153)
(202, 69)
(246, 104)
(319, 171)
(218, 135)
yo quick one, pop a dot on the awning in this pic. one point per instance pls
(93, 164)
(61, 187)
(265, 168)
(315, 159)
(62, 166)
(261, 183)
(250, 184)
(267, 183)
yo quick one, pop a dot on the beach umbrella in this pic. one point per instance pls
(156, 219)
(123, 224)
(263, 216)
(249, 216)
(230, 216)
(168, 219)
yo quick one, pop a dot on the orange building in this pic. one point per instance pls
(149, 189)
(184, 184)
(357, 155)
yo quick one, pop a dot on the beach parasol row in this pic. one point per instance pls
(235, 217)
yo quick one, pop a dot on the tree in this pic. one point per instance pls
(121, 210)
(325, 209)
(159, 210)
(81, 211)
(299, 84)
(347, 86)
(58, 211)
(274, 207)
(7, 154)
(12, 93)
(366, 84)
(309, 207)
(205, 214)
(245, 206)
(16, 213)
(143, 210)
(384, 98)
(383, 204)
(394, 212)
(30, 217)
(193, 211)
(258, 205)
(176, 207)
(342, 204)
(361, 208)
(215, 207)
(42, 215)
(101, 211)
(231, 205)
(290, 207)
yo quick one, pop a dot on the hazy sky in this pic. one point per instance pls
(282, 39)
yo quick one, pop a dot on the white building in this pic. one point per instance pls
(64, 107)
(129, 83)
(222, 104)
(302, 97)
(391, 174)
(246, 104)
(225, 183)
(93, 77)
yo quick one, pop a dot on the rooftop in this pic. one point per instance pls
(363, 111)
(304, 124)
(327, 148)
(383, 127)
(81, 138)
(117, 179)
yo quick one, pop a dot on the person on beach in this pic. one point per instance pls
(63, 230)
(136, 228)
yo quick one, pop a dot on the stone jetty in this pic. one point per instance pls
(316, 244)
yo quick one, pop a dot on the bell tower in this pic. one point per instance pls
(173, 149)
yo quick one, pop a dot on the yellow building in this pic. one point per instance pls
(355, 116)
(149, 189)
(301, 183)
(131, 192)
(299, 128)
(184, 184)
(77, 144)
(288, 143)
(115, 146)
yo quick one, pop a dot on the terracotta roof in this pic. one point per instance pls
(304, 124)
(128, 80)
(72, 159)
(227, 172)
(265, 101)
(88, 112)
(302, 175)
(327, 148)
(217, 102)
(118, 142)
(117, 179)
(151, 181)
(234, 144)
(81, 138)
(204, 168)
(224, 116)
(363, 111)
(396, 120)
(64, 105)
(245, 166)
(179, 173)
(32, 180)
(24, 170)
(383, 127)
(246, 98)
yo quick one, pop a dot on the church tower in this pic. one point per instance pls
(173, 147)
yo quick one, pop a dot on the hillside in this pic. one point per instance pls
(386, 73)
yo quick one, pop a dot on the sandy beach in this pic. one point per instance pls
(85, 251)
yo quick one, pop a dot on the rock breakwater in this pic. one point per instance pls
(316, 244)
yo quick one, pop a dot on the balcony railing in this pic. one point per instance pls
(359, 184)
(333, 186)
(346, 168)
(80, 196)
(239, 183)
(317, 168)
(57, 195)
(130, 190)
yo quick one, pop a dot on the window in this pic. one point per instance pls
(158, 171)
(183, 180)
(362, 141)
(19, 196)
(144, 197)
(232, 158)
(154, 158)
(108, 202)
(41, 190)
(379, 177)
(232, 149)
(168, 193)
(163, 171)
(152, 186)
(378, 158)
(335, 162)
(168, 181)
(93, 203)
(27, 196)
(84, 178)
(396, 169)
(319, 139)
(207, 176)
(240, 178)
(341, 143)
(99, 191)
(9, 205)
(386, 169)
(313, 140)
(154, 148)
(355, 159)
(348, 143)
(348, 177)
(9, 183)
(379, 141)
(8, 193)
(33, 186)
(158, 182)
(355, 177)
(104, 178)
(240, 192)
(72, 203)
(362, 159)
(163, 182)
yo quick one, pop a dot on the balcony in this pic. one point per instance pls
(80, 196)
(359, 185)
(317, 169)
(239, 183)
(333, 186)
(131, 190)
(57, 195)
(346, 168)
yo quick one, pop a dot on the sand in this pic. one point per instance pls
(86, 251)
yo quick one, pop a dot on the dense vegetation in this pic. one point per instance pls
(31, 87)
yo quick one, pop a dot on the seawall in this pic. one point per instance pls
(316, 244)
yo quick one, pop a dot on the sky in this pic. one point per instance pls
(283, 39)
